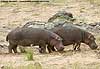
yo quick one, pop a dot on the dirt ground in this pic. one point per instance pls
(13, 15)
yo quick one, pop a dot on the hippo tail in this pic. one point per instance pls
(7, 38)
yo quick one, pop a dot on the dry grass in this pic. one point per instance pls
(97, 2)
(36, 65)
(16, 14)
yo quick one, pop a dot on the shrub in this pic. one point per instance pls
(29, 55)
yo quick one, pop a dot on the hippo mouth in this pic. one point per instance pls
(61, 49)
(93, 47)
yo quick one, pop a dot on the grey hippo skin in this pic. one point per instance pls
(34, 36)
(72, 34)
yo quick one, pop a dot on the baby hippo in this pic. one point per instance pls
(34, 36)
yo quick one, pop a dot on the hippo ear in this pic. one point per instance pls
(58, 38)
(89, 36)
(55, 36)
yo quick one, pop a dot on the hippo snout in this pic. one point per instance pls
(94, 47)
(61, 49)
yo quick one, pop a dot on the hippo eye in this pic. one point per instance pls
(58, 38)
(93, 38)
(89, 37)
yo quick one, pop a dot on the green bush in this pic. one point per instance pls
(29, 55)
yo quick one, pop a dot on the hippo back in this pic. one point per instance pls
(69, 33)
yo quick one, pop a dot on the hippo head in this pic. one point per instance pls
(90, 40)
(57, 43)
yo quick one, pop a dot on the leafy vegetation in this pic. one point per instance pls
(29, 55)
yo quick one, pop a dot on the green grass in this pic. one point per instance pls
(36, 65)
(29, 55)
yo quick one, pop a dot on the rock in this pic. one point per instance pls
(59, 19)
(44, 25)
(49, 25)
(35, 24)
(93, 24)
(61, 16)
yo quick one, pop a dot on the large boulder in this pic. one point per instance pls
(61, 16)
(57, 19)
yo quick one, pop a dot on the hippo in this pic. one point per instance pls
(35, 36)
(72, 34)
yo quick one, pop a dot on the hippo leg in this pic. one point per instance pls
(15, 49)
(53, 49)
(10, 47)
(43, 49)
(76, 46)
(49, 49)
(42, 46)
(40, 49)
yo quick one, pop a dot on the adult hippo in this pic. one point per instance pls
(35, 36)
(72, 34)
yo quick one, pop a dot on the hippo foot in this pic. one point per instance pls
(79, 49)
(41, 51)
